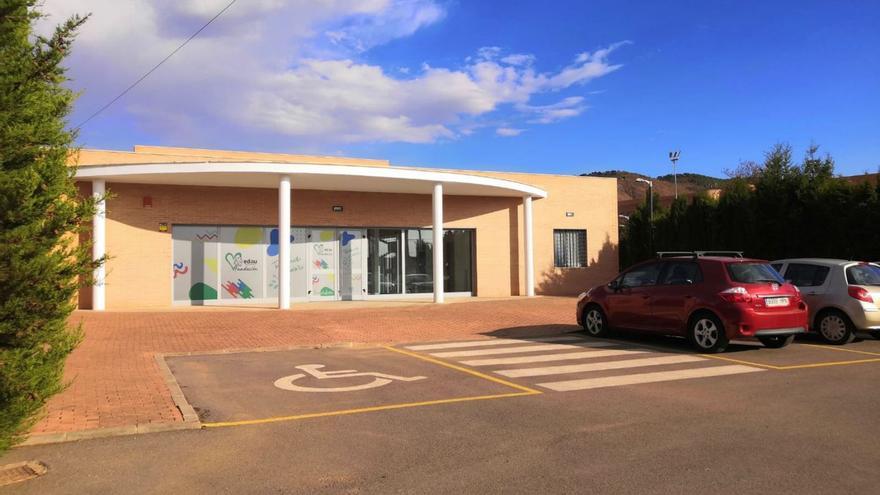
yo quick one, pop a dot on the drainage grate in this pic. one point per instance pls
(21, 471)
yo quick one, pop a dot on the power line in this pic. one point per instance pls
(132, 85)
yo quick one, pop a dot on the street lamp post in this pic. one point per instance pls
(673, 157)
(650, 205)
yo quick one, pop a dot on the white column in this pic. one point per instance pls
(529, 246)
(99, 244)
(437, 223)
(284, 242)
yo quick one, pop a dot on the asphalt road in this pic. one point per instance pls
(796, 425)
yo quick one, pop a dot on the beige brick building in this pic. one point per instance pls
(203, 227)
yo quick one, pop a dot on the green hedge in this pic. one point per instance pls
(776, 209)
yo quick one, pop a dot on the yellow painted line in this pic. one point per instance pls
(841, 349)
(362, 410)
(523, 391)
(477, 374)
(794, 366)
(740, 361)
(835, 363)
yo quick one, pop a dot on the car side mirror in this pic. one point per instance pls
(614, 285)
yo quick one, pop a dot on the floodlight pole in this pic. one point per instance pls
(673, 157)
(650, 205)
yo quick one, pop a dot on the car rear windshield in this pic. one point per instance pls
(753, 273)
(863, 275)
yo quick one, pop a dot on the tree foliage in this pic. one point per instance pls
(41, 264)
(776, 209)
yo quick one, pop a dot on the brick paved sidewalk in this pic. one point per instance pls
(116, 382)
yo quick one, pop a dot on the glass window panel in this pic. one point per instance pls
(681, 273)
(242, 262)
(194, 265)
(419, 261)
(641, 276)
(458, 257)
(322, 266)
(299, 273)
(351, 285)
(383, 261)
(805, 275)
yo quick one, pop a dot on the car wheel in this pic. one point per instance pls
(594, 322)
(707, 333)
(835, 328)
(876, 334)
(777, 341)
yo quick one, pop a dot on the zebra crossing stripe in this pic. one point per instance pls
(511, 350)
(607, 365)
(544, 358)
(483, 343)
(660, 376)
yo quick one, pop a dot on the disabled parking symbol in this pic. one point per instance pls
(314, 370)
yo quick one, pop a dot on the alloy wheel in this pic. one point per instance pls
(705, 333)
(593, 322)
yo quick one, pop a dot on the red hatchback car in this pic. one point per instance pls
(709, 299)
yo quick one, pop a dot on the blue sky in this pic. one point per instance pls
(553, 87)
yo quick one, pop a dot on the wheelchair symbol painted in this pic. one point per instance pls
(379, 379)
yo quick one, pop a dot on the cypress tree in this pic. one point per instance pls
(41, 262)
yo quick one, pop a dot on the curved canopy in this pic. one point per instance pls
(309, 176)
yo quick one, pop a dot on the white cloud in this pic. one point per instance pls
(508, 131)
(548, 114)
(289, 70)
(519, 59)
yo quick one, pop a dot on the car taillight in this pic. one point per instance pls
(859, 293)
(736, 295)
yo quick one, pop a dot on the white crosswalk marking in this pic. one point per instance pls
(510, 350)
(607, 365)
(490, 342)
(543, 358)
(520, 358)
(660, 376)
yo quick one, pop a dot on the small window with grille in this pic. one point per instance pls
(569, 248)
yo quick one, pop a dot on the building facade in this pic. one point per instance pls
(202, 227)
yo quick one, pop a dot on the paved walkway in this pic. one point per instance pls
(116, 382)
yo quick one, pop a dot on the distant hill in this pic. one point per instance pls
(630, 193)
(870, 178)
(698, 180)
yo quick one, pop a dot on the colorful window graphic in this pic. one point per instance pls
(194, 267)
(243, 262)
(236, 264)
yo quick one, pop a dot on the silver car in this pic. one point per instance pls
(843, 296)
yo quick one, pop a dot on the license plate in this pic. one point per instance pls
(775, 302)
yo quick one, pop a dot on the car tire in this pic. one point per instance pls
(834, 327)
(876, 334)
(777, 341)
(707, 334)
(594, 321)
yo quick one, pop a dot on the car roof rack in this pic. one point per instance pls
(699, 254)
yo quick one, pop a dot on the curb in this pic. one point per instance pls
(72, 436)
(186, 410)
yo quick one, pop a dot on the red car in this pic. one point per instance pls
(710, 299)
